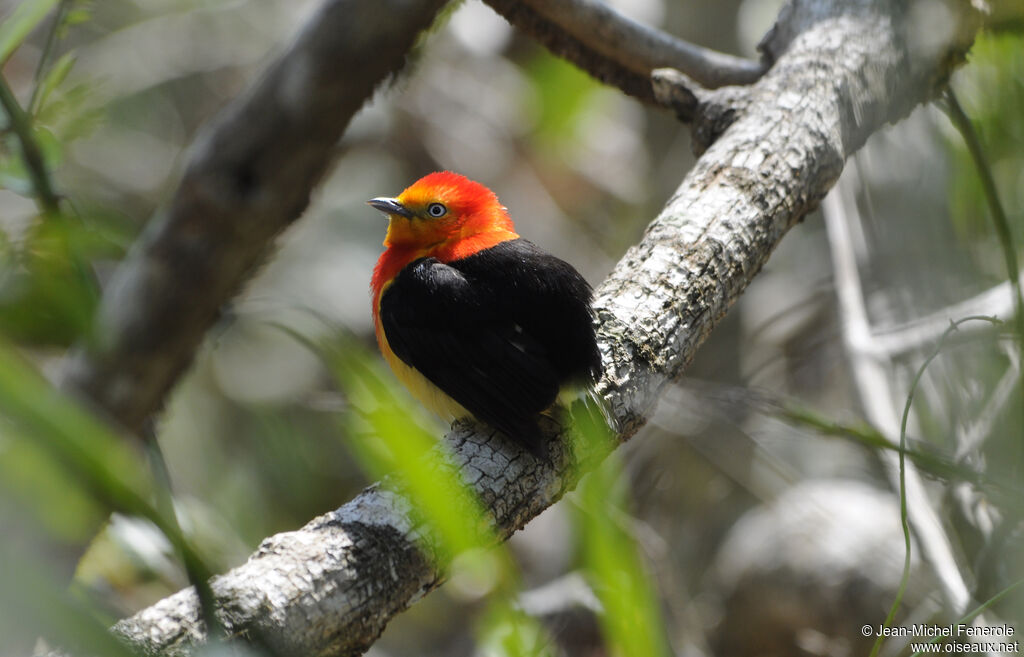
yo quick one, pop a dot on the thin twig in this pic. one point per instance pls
(42, 185)
(198, 574)
(1002, 225)
(44, 57)
(900, 339)
(934, 464)
(977, 611)
(21, 125)
(972, 436)
(904, 521)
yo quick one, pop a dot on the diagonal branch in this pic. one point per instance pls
(843, 69)
(249, 176)
(618, 50)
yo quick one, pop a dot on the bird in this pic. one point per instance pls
(474, 319)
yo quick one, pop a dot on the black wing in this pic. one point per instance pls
(499, 331)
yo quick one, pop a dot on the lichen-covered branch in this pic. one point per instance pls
(843, 69)
(249, 176)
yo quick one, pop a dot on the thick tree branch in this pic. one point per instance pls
(844, 69)
(249, 176)
(618, 50)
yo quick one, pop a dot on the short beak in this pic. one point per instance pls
(390, 206)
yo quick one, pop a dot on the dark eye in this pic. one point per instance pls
(436, 210)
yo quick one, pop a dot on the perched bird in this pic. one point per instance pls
(472, 318)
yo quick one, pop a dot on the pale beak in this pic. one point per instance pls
(390, 206)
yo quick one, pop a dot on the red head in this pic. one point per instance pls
(441, 207)
(442, 215)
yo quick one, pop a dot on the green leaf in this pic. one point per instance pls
(49, 146)
(71, 113)
(631, 619)
(101, 461)
(46, 490)
(57, 74)
(112, 473)
(77, 16)
(390, 441)
(508, 632)
(21, 22)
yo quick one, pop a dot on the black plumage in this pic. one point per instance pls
(500, 332)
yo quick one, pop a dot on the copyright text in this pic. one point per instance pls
(932, 630)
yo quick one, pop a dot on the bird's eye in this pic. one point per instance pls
(436, 210)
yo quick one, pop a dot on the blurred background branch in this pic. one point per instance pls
(250, 174)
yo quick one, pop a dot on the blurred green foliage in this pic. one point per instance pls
(631, 615)
(47, 291)
(54, 447)
(389, 441)
(57, 458)
(20, 23)
(563, 91)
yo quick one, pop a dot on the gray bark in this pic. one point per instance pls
(843, 69)
(616, 49)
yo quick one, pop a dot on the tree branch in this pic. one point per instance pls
(21, 124)
(618, 50)
(844, 68)
(892, 342)
(249, 176)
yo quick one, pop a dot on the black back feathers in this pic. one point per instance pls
(500, 332)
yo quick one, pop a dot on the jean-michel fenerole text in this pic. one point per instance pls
(958, 630)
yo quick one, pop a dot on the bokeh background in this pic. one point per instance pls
(761, 533)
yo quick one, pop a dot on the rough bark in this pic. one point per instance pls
(249, 176)
(843, 69)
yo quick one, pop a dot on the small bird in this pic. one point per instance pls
(474, 319)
